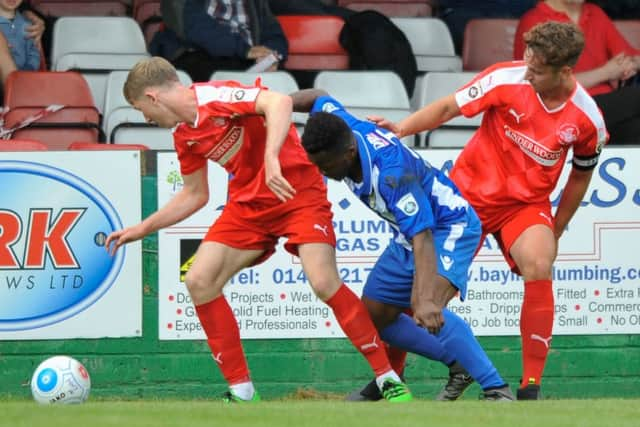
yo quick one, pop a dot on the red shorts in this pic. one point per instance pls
(515, 221)
(305, 219)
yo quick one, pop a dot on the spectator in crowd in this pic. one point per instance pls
(212, 35)
(25, 50)
(620, 9)
(36, 28)
(456, 13)
(605, 65)
(7, 64)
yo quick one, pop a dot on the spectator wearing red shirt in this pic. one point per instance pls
(606, 60)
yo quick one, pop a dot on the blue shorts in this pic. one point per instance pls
(391, 280)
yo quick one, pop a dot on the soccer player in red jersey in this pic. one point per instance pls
(534, 113)
(274, 191)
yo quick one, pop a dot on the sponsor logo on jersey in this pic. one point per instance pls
(533, 149)
(408, 205)
(376, 141)
(567, 133)
(228, 146)
(208, 94)
(238, 94)
(473, 91)
(328, 107)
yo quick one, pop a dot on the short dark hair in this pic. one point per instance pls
(556, 43)
(325, 132)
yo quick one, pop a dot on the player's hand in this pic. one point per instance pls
(275, 181)
(385, 123)
(428, 315)
(121, 237)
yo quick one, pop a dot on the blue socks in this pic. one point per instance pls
(405, 334)
(458, 339)
(454, 342)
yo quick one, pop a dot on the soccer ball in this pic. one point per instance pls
(60, 379)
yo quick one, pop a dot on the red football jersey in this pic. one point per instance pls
(517, 154)
(228, 131)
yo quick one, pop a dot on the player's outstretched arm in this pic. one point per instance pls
(303, 100)
(277, 109)
(428, 117)
(193, 196)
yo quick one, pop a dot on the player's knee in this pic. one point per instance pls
(537, 268)
(197, 284)
(325, 287)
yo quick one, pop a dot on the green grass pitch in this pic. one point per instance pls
(325, 413)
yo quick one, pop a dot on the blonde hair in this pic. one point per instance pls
(149, 72)
(555, 43)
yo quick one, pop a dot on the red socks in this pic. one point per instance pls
(357, 325)
(536, 323)
(397, 358)
(223, 337)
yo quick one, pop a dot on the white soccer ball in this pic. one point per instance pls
(60, 379)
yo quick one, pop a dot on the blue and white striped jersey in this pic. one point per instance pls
(397, 183)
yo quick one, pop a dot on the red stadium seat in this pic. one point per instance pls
(313, 42)
(97, 146)
(79, 8)
(407, 8)
(630, 29)
(22, 145)
(487, 41)
(28, 93)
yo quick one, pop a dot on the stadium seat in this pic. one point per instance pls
(28, 93)
(431, 43)
(487, 41)
(122, 124)
(22, 145)
(391, 8)
(98, 146)
(94, 46)
(313, 42)
(79, 8)
(456, 132)
(365, 93)
(630, 29)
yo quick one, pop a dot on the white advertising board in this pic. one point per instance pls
(56, 278)
(596, 276)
